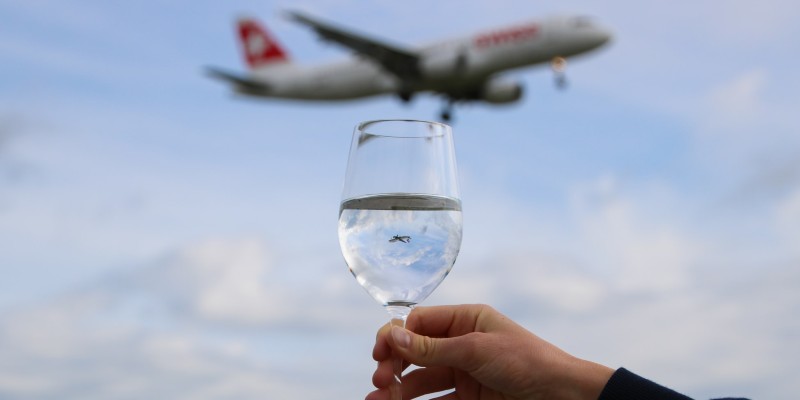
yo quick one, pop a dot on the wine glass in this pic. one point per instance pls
(400, 215)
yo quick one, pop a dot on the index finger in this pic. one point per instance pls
(381, 351)
(450, 321)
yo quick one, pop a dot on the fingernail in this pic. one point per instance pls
(401, 336)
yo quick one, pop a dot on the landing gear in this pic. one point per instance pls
(558, 65)
(405, 96)
(561, 81)
(447, 111)
(446, 115)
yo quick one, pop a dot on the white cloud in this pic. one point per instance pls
(642, 283)
(625, 271)
(787, 220)
(243, 283)
(216, 319)
(612, 237)
(225, 280)
(721, 332)
(738, 104)
(745, 141)
(765, 22)
(749, 116)
(632, 240)
(220, 319)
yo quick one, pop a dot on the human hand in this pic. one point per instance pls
(482, 355)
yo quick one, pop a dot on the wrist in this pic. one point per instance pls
(585, 380)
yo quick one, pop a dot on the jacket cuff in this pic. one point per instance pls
(625, 385)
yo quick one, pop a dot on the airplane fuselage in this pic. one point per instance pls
(444, 66)
(344, 80)
(462, 69)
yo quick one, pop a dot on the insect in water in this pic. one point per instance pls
(396, 238)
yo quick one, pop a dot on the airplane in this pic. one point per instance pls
(404, 239)
(460, 70)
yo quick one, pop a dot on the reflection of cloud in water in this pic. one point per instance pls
(393, 270)
(426, 241)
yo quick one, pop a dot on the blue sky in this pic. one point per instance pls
(160, 237)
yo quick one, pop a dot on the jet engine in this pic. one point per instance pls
(500, 91)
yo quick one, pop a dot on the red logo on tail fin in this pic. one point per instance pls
(258, 47)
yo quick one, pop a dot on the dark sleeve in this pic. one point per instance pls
(625, 385)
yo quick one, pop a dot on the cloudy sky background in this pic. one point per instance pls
(161, 238)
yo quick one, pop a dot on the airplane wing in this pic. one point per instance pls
(242, 82)
(399, 61)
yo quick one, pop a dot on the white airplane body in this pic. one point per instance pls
(340, 81)
(464, 69)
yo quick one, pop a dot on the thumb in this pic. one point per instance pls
(427, 351)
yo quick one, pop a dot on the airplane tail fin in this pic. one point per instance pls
(259, 48)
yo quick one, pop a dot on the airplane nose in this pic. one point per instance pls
(601, 36)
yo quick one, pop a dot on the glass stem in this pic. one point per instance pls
(398, 313)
